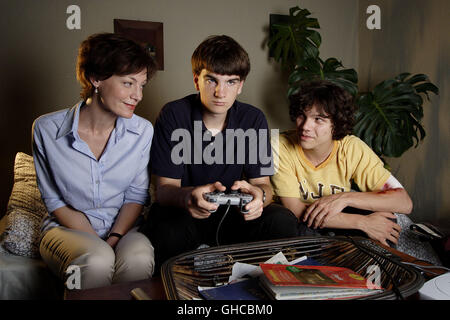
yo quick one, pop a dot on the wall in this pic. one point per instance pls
(414, 37)
(38, 55)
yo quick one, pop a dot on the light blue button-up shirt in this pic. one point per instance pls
(68, 174)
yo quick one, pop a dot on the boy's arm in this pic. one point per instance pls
(295, 205)
(170, 193)
(378, 225)
(392, 198)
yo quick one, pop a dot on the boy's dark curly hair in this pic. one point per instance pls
(334, 101)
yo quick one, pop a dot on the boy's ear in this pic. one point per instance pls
(241, 84)
(196, 82)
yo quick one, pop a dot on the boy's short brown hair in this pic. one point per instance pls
(106, 54)
(221, 55)
(334, 101)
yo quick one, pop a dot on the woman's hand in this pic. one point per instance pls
(112, 241)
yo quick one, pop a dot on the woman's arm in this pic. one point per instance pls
(126, 219)
(73, 219)
(51, 196)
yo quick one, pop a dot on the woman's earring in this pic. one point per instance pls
(96, 90)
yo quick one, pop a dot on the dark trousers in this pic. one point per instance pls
(173, 231)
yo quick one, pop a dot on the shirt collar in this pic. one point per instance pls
(70, 123)
(231, 115)
(123, 125)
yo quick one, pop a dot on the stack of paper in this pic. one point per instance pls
(277, 278)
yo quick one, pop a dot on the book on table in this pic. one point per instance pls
(288, 282)
(248, 289)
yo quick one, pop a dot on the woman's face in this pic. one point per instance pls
(121, 94)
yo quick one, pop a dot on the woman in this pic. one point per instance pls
(91, 164)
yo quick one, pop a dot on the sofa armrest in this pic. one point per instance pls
(2, 224)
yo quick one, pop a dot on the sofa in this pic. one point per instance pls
(24, 275)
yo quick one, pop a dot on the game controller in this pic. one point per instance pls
(235, 198)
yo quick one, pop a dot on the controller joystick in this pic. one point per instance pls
(234, 198)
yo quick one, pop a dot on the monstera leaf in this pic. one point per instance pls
(331, 70)
(389, 118)
(293, 39)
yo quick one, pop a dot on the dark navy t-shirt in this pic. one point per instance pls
(184, 149)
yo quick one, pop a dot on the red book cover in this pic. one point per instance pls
(314, 276)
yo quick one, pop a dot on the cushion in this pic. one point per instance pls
(25, 211)
(411, 244)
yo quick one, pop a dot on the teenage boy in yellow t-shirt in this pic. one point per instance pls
(319, 160)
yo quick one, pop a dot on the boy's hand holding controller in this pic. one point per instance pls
(197, 205)
(255, 207)
(200, 208)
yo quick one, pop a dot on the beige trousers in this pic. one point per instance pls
(98, 264)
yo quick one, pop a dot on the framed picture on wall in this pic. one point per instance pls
(149, 34)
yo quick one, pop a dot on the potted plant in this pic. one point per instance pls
(388, 118)
(295, 44)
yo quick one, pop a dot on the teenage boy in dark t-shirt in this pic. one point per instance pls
(209, 142)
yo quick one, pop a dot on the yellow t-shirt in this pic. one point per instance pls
(351, 159)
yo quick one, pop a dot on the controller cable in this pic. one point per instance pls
(220, 223)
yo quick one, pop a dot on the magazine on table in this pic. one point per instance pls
(285, 282)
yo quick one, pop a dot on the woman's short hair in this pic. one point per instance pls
(103, 55)
(221, 55)
(334, 101)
